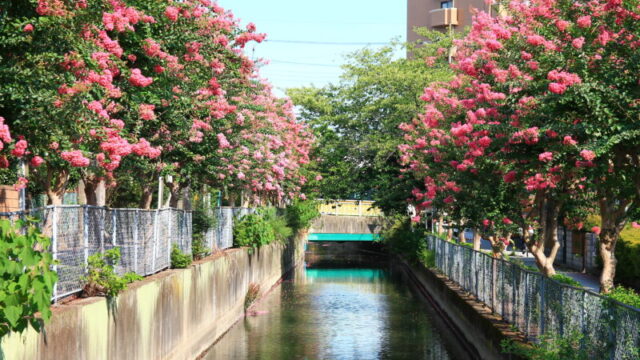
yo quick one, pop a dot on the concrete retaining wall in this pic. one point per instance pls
(176, 314)
(480, 329)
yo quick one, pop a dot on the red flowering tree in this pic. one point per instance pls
(90, 85)
(546, 93)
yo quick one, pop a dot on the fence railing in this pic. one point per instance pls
(349, 208)
(538, 305)
(145, 237)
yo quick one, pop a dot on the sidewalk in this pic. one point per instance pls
(588, 281)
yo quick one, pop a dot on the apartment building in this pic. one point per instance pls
(441, 15)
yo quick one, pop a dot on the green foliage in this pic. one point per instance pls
(356, 121)
(179, 260)
(199, 249)
(26, 278)
(301, 213)
(628, 256)
(625, 296)
(402, 238)
(521, 264)
(277, 223)
(552, 347)
(253, 231)
(427, 258)
(564, 279)
(101, 279)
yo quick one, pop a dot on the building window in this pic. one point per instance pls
(446, 4)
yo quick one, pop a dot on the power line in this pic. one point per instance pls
(302, 63)
(327, 42)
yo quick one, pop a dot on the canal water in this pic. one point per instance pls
(339, 313)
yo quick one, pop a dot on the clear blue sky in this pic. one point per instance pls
(336, 21)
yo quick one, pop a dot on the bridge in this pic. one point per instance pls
(347, 220)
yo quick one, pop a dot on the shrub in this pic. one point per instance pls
(198, 248)
(427, 258)
(202, 220)
(402, 238)
(628, 266)
(552, 347)
(27, 281)
(564, 279)
(252, 230)
(301, 214)
(179, 260)
(625, 296)
(277, 222)
(101, 279)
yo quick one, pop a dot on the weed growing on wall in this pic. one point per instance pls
(27, 281)
(179, 260)
(101, 279)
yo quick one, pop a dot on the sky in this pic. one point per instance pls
(298, 32)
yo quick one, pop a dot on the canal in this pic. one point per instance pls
(340, 313)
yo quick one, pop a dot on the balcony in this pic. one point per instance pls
(443, 17)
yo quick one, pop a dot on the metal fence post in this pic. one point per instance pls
(136, 222)
(155, 241)
(170, 237)
(54, 245)
(101, 229)
(85, 234)
(542, 305)
(114, 220)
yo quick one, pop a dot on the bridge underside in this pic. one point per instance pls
(342, 237)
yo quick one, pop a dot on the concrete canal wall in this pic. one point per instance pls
(176, 314)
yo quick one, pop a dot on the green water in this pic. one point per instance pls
(337, 314)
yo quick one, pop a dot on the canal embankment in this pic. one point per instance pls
(175, 314)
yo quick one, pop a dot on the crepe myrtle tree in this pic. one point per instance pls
(89, 84)
(548, 90)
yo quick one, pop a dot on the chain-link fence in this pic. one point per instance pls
(145, 238)
(538, 305)
(220, 236)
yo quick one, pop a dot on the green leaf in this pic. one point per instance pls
(12, 314)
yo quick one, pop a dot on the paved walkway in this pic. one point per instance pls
(588, 281)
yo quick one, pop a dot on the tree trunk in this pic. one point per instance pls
(450, 233)
(549, 211)
(477, 237)
(440, 225)
(608, 239)
(461, 238)
(174, 194)
(147, 197)
(95, 191)
(613, 214)
(55, 185)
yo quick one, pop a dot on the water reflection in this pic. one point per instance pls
(336, 314)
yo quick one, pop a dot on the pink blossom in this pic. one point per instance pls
(145, 111)
(584, 21)
(75, 158)
(415, 219)
(557, 88)
(137, 79)
(28, 28)
(635, 225)
(21, 184)
(595, 230)
(318, 177)
(578, 42)
(507, 221)
(545, 156)
(510, 177)
(588, 155)
(223, 142)
(562, 25)
(36, 161)
(172, 13)
(568, 140)
(20, 148)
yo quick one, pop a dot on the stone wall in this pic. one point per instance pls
(176, 314)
